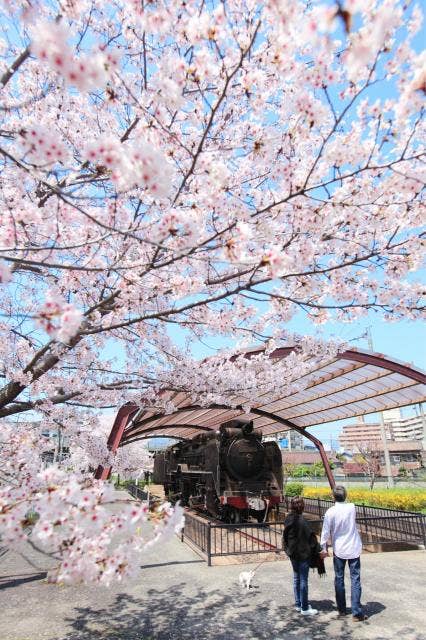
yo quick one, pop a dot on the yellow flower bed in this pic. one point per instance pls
(402, 499)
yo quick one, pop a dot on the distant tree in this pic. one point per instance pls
(317, 470)
(369, 458)
(289, 469)
(301, 471)
(403, 472)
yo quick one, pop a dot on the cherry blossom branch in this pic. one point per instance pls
(14, 66)
(214, 110)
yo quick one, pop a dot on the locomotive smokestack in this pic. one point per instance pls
(247, 427)
(238, 425)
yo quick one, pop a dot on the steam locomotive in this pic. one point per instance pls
(230, 473)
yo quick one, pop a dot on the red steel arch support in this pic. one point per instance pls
(307, 435)
(323, 455)
(122, 419)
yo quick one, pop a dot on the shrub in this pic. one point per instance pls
(30, 518)
(293, 489)
(123, 484)
(301, 471)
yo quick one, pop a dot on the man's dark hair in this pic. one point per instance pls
(297, 505)
(339, 493)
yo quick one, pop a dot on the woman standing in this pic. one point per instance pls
(303, 549)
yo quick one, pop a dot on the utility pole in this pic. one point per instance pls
(422, 414)
(382, 425)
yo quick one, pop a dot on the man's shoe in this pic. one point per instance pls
(299, 609)
(341, 614)
(309, 612)
(361, 618)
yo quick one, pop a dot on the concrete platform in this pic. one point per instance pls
(179, 598)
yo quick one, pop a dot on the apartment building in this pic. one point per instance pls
(360, 432)
(397, 429)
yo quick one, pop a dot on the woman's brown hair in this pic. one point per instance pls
(297, 504)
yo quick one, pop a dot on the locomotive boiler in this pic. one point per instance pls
(229, 473)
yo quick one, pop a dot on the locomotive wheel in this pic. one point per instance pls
(235, 516)
(259, 515)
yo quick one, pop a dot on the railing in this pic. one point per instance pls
(318, 506)
(216, 539)
(376, 525)
(393, 530)
(381, 480)
(198, 532)
(246, 538)
(137, 492)
(219, 539)
(389, 525)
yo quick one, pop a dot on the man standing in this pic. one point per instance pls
(340, 527)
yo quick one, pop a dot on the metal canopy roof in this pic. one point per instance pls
(353, 383)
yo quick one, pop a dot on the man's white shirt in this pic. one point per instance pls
(340, 527)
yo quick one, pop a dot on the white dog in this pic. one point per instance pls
(245, 578)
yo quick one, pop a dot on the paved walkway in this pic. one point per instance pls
(179, 598)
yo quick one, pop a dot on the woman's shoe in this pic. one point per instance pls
(309, 612)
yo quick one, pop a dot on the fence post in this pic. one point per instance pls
(209, 544)
(366, 531)
(422, 521)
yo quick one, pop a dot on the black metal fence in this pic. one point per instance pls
(198, 532)
(388, 527)
(396, 531)
(137, 492)
(219, 539)
(376, 524)
(318, 507)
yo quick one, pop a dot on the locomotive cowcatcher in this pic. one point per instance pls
(229, 473)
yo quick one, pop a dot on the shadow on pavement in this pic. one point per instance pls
(167, 564)
(170, 615)
(328, 606)
(8, 582)
(325, 606)
(373, 608)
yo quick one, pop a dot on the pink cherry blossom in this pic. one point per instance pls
(87, 72)
(41, 146)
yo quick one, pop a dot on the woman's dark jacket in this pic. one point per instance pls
(299, 541)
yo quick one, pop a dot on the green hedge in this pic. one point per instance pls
(293, 489)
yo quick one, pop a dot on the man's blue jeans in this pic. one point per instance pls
(300, 583)
(339, 584)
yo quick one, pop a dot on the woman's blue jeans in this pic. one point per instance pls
(339, 584)
(300, 582)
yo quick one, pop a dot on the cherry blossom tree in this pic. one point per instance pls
(193, 169)
(88, 448)
(369, 459)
